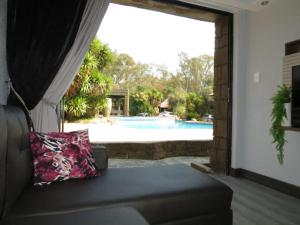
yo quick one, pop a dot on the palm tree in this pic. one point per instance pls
(87, 94)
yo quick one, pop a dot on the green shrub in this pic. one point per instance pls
(86, 96)
(144, 99)
(75, 107)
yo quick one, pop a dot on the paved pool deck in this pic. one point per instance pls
(187, 160)
(111, 132)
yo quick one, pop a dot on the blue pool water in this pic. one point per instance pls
(159, 123)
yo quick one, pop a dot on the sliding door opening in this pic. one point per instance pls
(156, 83)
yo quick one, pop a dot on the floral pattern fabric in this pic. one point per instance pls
(61, 156)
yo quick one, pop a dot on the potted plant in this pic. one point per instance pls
(278, 115)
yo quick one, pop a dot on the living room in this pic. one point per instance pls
(260, 33)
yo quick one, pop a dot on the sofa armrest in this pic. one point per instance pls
(100, 154)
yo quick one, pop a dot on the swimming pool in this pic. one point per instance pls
(137, 122)
(143, 129)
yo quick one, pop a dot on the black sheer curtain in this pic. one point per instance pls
(39, 35)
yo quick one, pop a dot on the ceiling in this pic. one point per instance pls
(232, 5)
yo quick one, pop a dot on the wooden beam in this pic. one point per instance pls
(173, 8)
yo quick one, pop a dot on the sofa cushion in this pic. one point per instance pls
(110, 216)
(61, 156)
(161, 194)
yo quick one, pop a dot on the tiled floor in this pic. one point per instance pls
(252, 204)
(255, 204)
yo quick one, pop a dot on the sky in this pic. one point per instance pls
(155, 38)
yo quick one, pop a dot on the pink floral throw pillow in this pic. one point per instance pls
(61, 156)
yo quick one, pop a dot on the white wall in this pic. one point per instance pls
(3, 68)
(239, 85)
(262, 48)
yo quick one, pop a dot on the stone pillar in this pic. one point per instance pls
(219, 152)
(126, 103)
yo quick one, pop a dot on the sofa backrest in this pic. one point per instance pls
(19, 166)
(3, 147)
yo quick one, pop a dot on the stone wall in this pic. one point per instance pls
(219, 152)
(158, 150)
(288, 62)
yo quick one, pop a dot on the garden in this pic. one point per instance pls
(189, 91)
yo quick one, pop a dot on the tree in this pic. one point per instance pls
(128, 74)
(195, 106)
(121, 69)
(144, 99)
(196, 73)
(177, 100)
(150, 83)
(184, 73)
(87, 93)
(102, 53)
